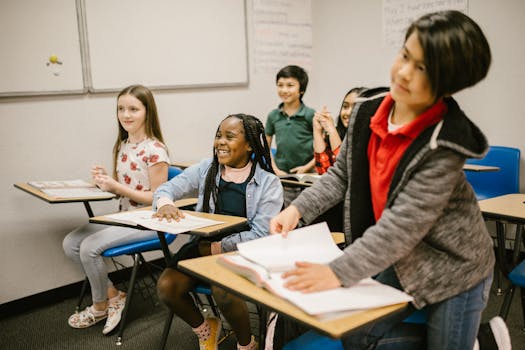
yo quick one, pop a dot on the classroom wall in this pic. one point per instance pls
(45, 138)
(357, 56)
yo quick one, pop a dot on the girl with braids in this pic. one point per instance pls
(238, 180)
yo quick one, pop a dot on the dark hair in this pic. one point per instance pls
(256, 138)
(297, 73)
(151, 123)
(456, 52)
(341, 129)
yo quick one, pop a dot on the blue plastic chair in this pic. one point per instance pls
(313, 341)
(135, 250)
(496, 183)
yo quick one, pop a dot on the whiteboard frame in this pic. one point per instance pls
(88, 78)
(81, 91)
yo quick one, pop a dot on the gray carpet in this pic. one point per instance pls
(46, 328)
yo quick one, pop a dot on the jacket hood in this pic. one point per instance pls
(459, 133)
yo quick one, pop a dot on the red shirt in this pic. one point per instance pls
(325, 159)
(385, 149)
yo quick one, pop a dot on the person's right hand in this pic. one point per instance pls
(317, 122)
(325, 120)
(285, 221)
(169, 212)
(279, 172)
(98, 170)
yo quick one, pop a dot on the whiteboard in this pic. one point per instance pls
(31, 31)
(165, 43)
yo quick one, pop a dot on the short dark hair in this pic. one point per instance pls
(297, 73)
(457, 53)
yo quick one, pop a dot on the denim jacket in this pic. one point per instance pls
(264, 199)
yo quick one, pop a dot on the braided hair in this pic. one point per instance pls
(255, 136)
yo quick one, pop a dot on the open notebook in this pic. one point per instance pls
(307, 177)
(264, 260)
(144, 218)
(70, 189)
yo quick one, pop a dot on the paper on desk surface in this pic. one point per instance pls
(312, 243)
(144, 218)
(329, 304)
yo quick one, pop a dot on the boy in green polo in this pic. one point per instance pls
(291, 123)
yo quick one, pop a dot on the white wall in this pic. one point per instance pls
(45, 138)
(356, 56)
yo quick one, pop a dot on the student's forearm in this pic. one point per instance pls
(335, 140)
(319, 144)
(143, 197)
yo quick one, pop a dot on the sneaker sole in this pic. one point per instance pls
(501, 333)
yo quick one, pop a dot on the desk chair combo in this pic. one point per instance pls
(517, 279)
(494, 184)
(135, 250)
(497, 183)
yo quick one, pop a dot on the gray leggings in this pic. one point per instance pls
(85, 245)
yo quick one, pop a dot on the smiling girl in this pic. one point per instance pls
(327, 136)
(140, 165)
(238, 181)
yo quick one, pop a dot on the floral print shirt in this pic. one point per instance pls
(133, 162)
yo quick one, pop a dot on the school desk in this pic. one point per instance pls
(507, 208)
(53, 200)
(183, 165)
(467, 167)
(479, 168)
(208, 270)
(230, 224)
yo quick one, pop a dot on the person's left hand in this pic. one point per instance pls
(300, 169)
(309, 277)
(106, 183)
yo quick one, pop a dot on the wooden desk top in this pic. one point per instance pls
(508, 207)
(37, 193)
(295, 183)
(183, 165)
(230, 223)
(479, 168)
(209, 270)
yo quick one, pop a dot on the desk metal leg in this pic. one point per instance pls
(166, 331)
(88, 209)
(501, 259)
(82, 293)
(129, 296)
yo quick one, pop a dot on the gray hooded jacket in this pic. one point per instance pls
(431, 229)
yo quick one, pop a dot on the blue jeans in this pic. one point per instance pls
(451, 324)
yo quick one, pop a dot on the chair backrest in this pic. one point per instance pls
(173, 171)
(496, 183)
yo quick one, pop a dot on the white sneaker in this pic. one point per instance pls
(501, 333)
(115, 309)
(493, 335)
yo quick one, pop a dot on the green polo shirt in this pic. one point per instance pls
(293, 136)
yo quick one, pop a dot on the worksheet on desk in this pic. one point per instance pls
(144, 218)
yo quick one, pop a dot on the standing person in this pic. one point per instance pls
(412, 216)
(327, 135)
(291, 123)
(140, 165)
(238, 181)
